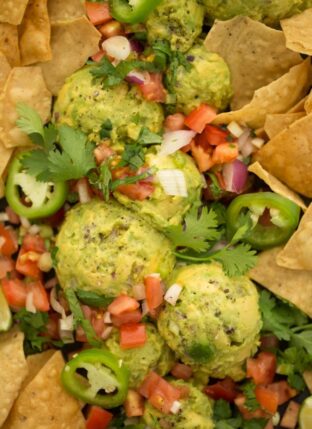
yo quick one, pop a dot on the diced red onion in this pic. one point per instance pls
(173, 182)
(117, 47)
(173, 293)
(51, 283)
(56, 305)
(235, 176)
(145, 309)
(136, 46)
(106, 332)
(136, 77)
(107, 318)
(175, 140)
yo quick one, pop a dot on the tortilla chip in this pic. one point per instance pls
(298, 107)
(293, 286)
(35, 33)
(308, 103)
(65, 11)
(9, 43)
(26, 85)
(276, 186)
(44, 403)
(72, 42)
(277, 97)
(277, 122)
(298, 32)
(297, 253)
(5, 69)
(288, 156)
(12, 11)
(5, 156)
(256, 55)
(13, 370)
(35, 363)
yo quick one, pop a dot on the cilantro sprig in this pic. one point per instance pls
(226, 418)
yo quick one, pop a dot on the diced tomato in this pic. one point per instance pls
(149, 384)
(34, 243)
(132, 335)
(249, 415)
(6, 266)
(98, 56)
(40, 295)
(126, 318)
(283, 390)
(52, 330)
(8, 241)
(225, 152)
(290, 417)
(267, 399)
(122, 304)
(15, 292)
(153, 89)
(225, 389)
(200, 117)
(26, 266)
(215, 135)
(98, 13)
(262, 369)
(174, 122)
(13, 217)
(134, 404)
(102, 152)
(163, 396)
(182, 371)
(98, 418)
(153, 291)
(202, 158)
(137, 191)
(55, 219)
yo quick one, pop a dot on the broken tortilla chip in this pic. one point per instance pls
(277, 122)
(35, 363)
(256, 55)
(308, 103)
(5, 69)
(13, 370)
(5, 156)
(275, 185)
(12, 11)
(24, 85)
(298, 32)
(44, 403)
(288, 156)
(298, 107)
(72, 42)
(9, 44)
(293, 286)
(35, 33)
(297, 253)
(65, 11)
(277, 97)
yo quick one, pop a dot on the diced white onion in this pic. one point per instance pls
(176, 407)
(66, 327)
(25, 222)
(83, 192)
(175, 140)
(45, 262)
(247, 149)
(106, 332)
(173, 182)
(4, 217)
(276, 419)
(34, 229)
(173, 293)
(107, 317)
(145, 309)
(138, 291)
(257, 142)
(30, 303)
(235, 129)
(117, 47)
(56, 305)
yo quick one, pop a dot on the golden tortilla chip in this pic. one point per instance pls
(277, 97)
(288, 156)
(12, 11)
(13, 370)
(35, 32)
(293, 286)
(65, 11)
(308, 103)
(256, 55)
(297, 253)
(5, 69)
(298, 107)
(5, 156)
(276, 186)
(298, 32)
(277, 122)
(44, 403)
(35, 363)
(73, 42)
(9, 43)
(24, 85)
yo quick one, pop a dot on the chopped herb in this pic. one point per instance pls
(251, 402)
(93, 299)
(34, 325)
(132, 156)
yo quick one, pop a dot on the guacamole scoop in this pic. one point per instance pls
(195, 412)
(207, 80)
(162, 210)
(104, 248)
(178, 21)
(216, 322)
(85, 104)
(154, 355)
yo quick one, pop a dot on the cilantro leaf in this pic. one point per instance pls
(147, 137)
(93, 299)
(102, 179)
(30, 122)
(236, 261)
(251, 402)
(129, 180)
(303, 340)
(33, 325)
(222, 410)
(132, 156)
(35, 163)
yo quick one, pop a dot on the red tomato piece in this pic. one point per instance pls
(200, 117)
(98, 13)
(98, 418)
(225, 389)
(123, 304)
(53, 326)
(153, 89)
(8, 241)
(267, 399)
(225, 152)
(283, 390)
(102, 152)
(149, 384)
(249, 415)
(163, 396)
(154, 291)
(132, 335)
(290, 417)
(137, 191)
(202, 157)
(134, 404)
(182, 371)
(262, 369)
(98, 56)
(6, 266)
(215, 135)
(26, 266)
(126, 318)
(15, 292)
(34, 243)
(40, 295)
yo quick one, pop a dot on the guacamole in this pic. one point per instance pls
(195, 412)
(104, 248)
(85, 104)
(216, 322)
(178, 21)
(155, 355)
(205, 80)
(162, 210)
